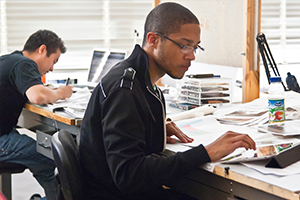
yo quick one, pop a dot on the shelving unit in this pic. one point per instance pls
(199, 91)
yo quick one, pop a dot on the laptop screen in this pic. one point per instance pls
(102, 62)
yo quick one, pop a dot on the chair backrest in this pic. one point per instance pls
(65, 151)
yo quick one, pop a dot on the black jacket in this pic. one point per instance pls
(123, 128)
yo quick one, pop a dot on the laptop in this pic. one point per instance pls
(102, 61)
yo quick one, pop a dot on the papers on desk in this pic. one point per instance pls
(259, 105)
(292, 105)
(75, 106)
(247, 114)
(205, 130)
(245, 117)
(287, 128)
(202, 129)
(260, 166)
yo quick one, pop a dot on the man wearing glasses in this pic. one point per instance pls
(124, 127)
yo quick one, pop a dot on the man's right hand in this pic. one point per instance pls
(227, 143)
(65, 91)
(38, 94)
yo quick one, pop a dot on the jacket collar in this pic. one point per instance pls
(139, 61)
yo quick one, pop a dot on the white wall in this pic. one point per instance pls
(223, 34)
(223, 30)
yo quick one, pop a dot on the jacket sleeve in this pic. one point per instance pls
(124, 118)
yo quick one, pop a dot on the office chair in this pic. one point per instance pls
(69, 174)
(6, 170)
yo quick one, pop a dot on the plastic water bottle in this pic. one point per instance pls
(276, 102)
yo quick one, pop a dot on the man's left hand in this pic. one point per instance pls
(172, 129)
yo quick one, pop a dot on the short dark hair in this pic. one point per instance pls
(167, 18)
(46, 37)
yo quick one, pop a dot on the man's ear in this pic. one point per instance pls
(42, 49)
(152, 39)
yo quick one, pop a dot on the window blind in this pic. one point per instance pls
(280, 22)
(82, 24)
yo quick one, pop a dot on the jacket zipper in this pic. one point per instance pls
(163, 109)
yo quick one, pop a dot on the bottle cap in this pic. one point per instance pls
(275, 79)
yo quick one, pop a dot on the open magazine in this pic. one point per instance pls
(260, 153)
(287, 128)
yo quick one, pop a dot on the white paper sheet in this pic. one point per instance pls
(260, 166)
(76, 105)
(205, 130)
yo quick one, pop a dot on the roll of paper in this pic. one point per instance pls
(195, 112)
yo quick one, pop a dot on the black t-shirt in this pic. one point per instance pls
(17, 74)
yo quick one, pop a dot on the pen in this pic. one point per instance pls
(189, 146)
(232, 157)
(68, 80)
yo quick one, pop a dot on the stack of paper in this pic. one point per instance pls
(75, 106)
(244, 118)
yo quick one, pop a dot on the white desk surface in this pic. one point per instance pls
(280, 181)
(284, 186)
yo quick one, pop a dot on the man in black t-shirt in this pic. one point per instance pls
(20, 81)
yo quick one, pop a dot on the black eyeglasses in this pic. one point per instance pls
(184, 48)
